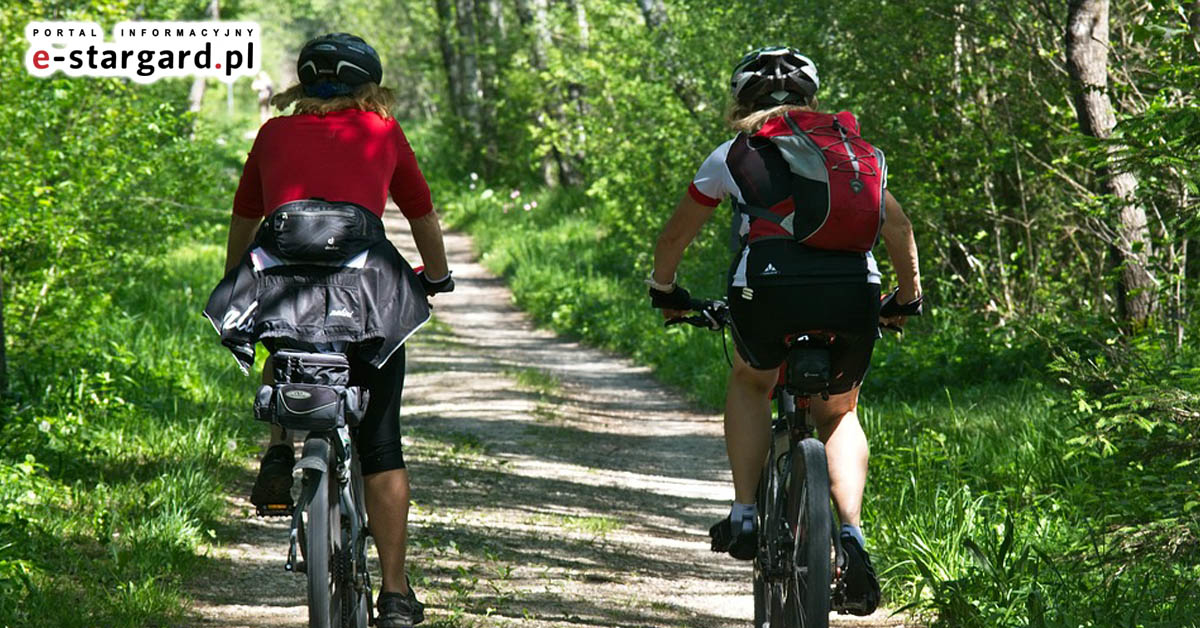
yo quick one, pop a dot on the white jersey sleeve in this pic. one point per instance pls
(713, 182)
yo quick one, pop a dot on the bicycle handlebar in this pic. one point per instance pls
(714, 315)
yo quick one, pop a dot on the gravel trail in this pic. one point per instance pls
(553, 485)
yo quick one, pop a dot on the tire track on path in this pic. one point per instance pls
(553, 485)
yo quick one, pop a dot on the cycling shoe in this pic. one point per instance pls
(272, 492)
(741, 546)
(399, 610)
(860, 587)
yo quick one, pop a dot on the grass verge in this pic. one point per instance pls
(122, 447)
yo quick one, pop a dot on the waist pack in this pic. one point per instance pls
(312, 391)
(316, 230)
(835, 192)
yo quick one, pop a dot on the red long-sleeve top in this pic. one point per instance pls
(349, 156)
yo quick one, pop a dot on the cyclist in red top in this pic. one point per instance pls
(780, 286)
(341, 144)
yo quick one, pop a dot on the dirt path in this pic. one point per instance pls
(553, 485)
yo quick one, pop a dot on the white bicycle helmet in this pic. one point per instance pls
(774, 75)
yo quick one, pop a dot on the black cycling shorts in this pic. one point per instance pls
(377, 437)
(849, 310)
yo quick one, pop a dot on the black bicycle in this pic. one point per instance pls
(329, 521)
(797, 548)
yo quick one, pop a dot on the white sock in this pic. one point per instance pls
(855, 532)
(743, 515)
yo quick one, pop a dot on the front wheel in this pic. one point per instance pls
(811, 524)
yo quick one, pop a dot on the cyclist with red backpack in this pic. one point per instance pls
(810, 201)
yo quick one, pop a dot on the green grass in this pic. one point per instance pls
(120, 453)
(536, 381)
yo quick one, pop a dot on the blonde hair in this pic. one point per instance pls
(748, 119)
(368, 97)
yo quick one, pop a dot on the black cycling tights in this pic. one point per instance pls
(378, 436)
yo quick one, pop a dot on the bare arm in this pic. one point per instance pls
(902, 249)
(677, 234)
(241, 234)
(427, 235)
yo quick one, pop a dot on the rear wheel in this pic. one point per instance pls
(774, 541)
(810, 524)
(359, 584)
(322, 541)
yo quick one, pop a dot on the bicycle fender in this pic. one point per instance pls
(315, 456)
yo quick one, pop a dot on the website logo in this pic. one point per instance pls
(144, 51)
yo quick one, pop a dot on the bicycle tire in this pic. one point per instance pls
(811, 524)
(322, 516)
(360, 599)
(774, 538)
(762, 597)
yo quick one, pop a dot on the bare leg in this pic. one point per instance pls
(387, 507)
(747, 425)
(847, 452)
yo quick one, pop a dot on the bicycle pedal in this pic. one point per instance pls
(274, 510)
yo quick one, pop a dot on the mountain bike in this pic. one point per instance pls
(797, 552)
(328, 539)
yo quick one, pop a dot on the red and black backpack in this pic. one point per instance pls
(811, 177)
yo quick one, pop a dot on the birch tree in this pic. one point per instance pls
(1087, 46)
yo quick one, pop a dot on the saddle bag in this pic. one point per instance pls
(315, 230)
(312, 392)
(808, 371)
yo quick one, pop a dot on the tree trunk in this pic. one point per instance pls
(489, 16)
(1087, 62)
(196, 94)
(541, 33)
(572, 165)
(449, 58)
(1193, 14)
(654, 12)
(533, 14)
(468, 64)
(581, 22)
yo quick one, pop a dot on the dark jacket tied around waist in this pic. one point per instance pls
(319, 273)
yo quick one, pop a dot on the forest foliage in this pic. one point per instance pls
(1034, 436)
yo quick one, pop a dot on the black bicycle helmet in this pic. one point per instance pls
(774, 76)
(336, 63)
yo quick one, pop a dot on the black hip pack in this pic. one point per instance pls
(316, 230)
(312, 391)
